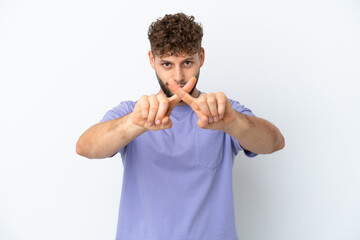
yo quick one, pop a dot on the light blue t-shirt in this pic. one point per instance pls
(177, 182)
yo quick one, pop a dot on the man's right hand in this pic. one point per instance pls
(153, 112)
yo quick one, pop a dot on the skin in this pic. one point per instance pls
(178, 76)
(152, 112)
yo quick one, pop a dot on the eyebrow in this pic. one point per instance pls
(162, 60)
(189, 59)
(185, 60)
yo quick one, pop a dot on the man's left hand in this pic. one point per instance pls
(214, 110)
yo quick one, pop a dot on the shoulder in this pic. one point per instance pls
(122, 109)
(240, 107)
(125, 105)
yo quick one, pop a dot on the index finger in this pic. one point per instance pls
(181, 93)
(175, 98)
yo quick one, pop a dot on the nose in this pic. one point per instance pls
(179, 75)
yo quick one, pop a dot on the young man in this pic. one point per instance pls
(178, 146)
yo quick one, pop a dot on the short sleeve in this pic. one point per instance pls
(119, 111)
(236, 146)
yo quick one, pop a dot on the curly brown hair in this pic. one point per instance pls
(175, 34)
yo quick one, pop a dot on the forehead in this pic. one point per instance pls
(177, 58)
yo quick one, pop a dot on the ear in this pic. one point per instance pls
(151, 59)
(202, 57)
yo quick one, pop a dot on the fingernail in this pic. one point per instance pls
(216, 118)
(221, 116)
(145, 119)
(150, 124)
(203, 119)
(210, 119)
(158, 122)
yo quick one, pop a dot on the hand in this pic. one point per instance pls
(153, 112)
(214, 110)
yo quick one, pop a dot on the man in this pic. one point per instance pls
(178, 146)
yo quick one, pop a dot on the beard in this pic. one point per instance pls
(165, 87)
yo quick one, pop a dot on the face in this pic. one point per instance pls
(179, 68)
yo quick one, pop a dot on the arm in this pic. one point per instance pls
(150, 113)
(255, 134)
(215, 112)
(105, 139)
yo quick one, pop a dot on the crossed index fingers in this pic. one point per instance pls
(175, 99)
(210, 108)
(183, 95)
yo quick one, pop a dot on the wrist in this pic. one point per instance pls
(131, 123)
(239, 124)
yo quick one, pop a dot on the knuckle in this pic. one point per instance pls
(144, 108)
(202, 101)
(143, 98)
(154, 108)
(164, 102)
(211, 100)
(160, 96)
(202, 98)
(152, 98)
(221, 102)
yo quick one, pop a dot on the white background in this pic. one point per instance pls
(63, 64)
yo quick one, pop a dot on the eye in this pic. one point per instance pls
(166, 64)
(187, 63)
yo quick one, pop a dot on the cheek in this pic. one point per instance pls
(193, 72)
(160, 74)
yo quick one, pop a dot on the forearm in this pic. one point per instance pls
(105, 139)
(255, 134)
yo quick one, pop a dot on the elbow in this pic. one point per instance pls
(277, 143)
(280, 143)
(81, 150)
